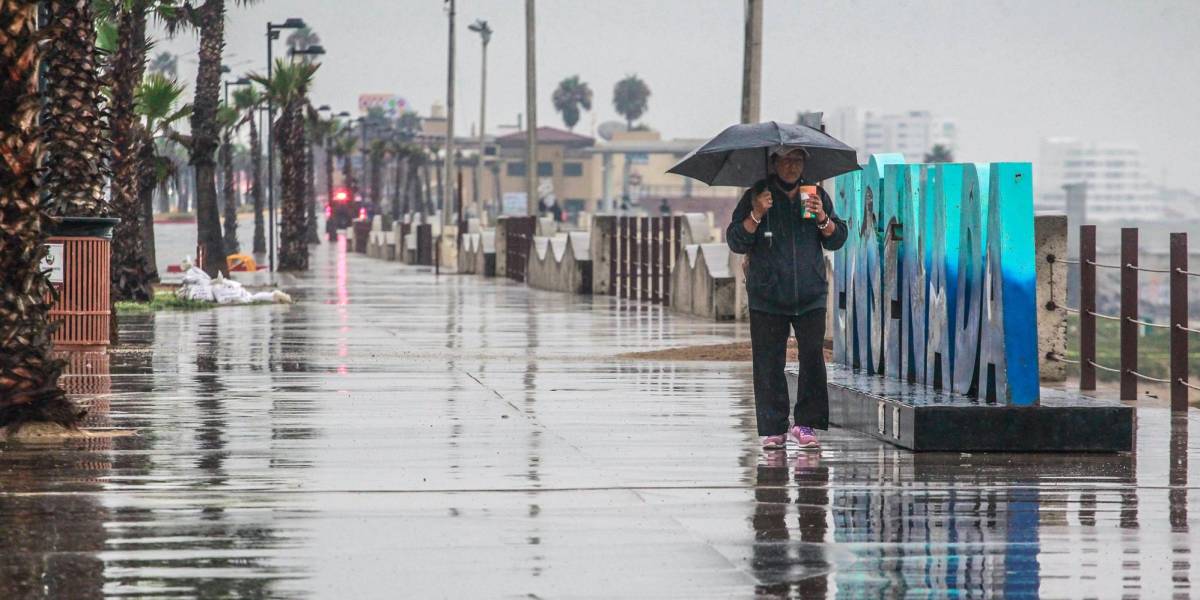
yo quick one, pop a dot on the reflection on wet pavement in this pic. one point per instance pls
(400, 435)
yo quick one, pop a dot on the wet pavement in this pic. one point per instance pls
(400, 435)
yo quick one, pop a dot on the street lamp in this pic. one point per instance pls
(485, 33)
(273, 30)
(314, 50)
(241, 81)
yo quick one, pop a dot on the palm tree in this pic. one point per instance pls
(227, 118)
(29, 389)
(302, 39)
(344, 145)
(288, 89)
(630, 97)
(130, 272)
(313, 137)
(320, 134)
(73, 117)
(939, 154)
(158, 99)
(571, 95)
(164, 63)
(378, 148)
(209, 20)
(247, 100)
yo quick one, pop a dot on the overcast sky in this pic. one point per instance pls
(1011, 71)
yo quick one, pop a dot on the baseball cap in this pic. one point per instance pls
(782, 150)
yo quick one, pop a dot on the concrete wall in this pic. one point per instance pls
(501, 246)
(478, 254)
(1050, 238)
(561, 263)
(703, 282)
(603, 229)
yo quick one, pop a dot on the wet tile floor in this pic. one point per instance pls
(401, 435)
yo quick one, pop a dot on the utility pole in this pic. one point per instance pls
(448, 211)
(752, 63)
(531, 186)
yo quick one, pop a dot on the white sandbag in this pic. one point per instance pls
(262, 297)
(196, 293)
(228, 291)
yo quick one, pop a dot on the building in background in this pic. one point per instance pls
(1117, 187)
(912, 133)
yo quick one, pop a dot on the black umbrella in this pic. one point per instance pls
(738, 155)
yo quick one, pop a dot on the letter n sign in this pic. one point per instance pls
(1008, 361)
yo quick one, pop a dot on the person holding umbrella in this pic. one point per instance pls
(787, 285)
(782, 224)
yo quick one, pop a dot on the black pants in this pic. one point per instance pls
(768, 337)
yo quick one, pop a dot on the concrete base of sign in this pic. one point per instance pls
(920, 418)
(478, 254)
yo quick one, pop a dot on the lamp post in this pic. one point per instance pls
(273, 30)
(313, 50)
(447, 202)
(241, 81)
(485, 34)
(531, 161)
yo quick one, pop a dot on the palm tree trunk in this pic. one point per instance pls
(73, 119)
(376, 180)
(293, 249)
(147, 184)
(310, 194)
(328, 172)
(398, 175)
(131, 278)
(29, 389)
(205, 134)
(227, 192)
(260, 238)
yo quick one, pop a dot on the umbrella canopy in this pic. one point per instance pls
(738, 155)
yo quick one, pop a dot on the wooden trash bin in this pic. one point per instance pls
(362, 231)
(79, 261)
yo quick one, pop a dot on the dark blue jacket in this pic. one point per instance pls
(786, 274)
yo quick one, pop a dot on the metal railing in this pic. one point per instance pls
(643, 251)
(518, 242)
(1178, 324)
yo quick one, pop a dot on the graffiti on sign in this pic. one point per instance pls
(937, 282)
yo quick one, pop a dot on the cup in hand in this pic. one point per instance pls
(806, 192)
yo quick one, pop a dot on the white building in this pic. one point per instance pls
(913, 133)
(1117, 187)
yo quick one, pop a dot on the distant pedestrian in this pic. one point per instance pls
(783, 234)
(664, 208)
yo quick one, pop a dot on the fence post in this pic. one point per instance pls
(1129, 312)
(1087, 307)
(635, 256)
(666, 260)
(654, 263)
(644, 286)
(1179, 320)
(624, 266)
(612, 259)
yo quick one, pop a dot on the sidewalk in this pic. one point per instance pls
(399, 435)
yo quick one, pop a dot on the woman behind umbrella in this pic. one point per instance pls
(782, 235)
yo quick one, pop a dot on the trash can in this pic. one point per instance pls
(78, 261)
(362, 232)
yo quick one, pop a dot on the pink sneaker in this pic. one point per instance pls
(774, 442)
(804, 436)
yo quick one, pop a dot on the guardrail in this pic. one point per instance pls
(642, 254)
(1178, 325)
